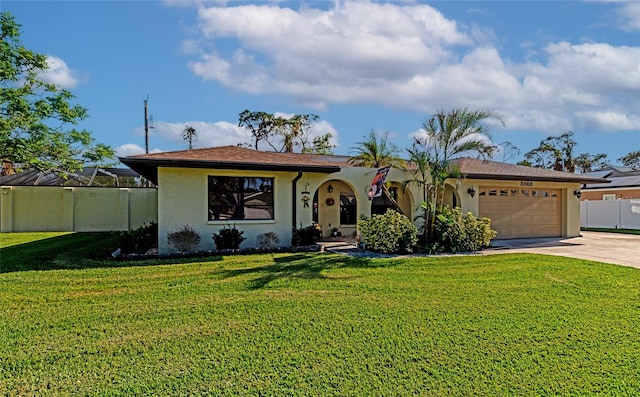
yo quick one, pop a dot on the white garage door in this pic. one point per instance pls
(522, 212)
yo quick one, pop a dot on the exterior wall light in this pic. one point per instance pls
(471, 191)
(330, 189)
(577, 193)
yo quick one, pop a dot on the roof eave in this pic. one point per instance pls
(535, 178)
(148, 168)
(612, 187)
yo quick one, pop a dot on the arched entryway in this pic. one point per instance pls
(451, 196)
(394, 197)
(335, 209)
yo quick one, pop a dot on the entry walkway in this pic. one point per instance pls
(350, 248)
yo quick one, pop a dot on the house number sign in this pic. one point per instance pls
(525, 183)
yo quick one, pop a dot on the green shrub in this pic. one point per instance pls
(460, 233)
(306, 235)
(389, 233)
(268, 241)
(140, 240)
(185, 238)
(228, 238)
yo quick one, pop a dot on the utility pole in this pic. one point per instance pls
(146, 126)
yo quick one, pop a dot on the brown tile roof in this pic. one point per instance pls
(234, 157)
(241, 155)
(485, 169)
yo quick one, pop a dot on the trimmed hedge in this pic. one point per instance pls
(461, 233)
(389, 233)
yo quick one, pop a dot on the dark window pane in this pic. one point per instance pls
(348, 209)
(236, 198)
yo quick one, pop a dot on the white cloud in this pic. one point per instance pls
(131, 149)
(208, 134)
(59, 73)
(629, 14)
(323, 127)
(410, 56)
(349, 46)
(189, 47)
(610, 120)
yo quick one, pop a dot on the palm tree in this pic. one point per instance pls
(375, 153)
(189, 135)
(447, 136)
(419, 169)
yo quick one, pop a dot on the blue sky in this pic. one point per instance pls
(547, 67)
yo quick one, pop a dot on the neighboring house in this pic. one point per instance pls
(624, 183)
(88, 176)
(267, 191)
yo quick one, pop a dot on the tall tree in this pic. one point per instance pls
(375, 153)
(447, 136)
(35, 114)
(554, 152)
(506, 151)
(631, 159)
(260, 124)
(586, 162)
(296, 130)
(557, 153)
(189, 135)
(544, 156)
(418, 168)
(321, 145)
(279, 133)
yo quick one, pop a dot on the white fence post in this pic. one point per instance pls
(6, 209)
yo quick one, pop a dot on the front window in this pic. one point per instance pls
(240, 198)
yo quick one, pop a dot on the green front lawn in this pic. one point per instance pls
(55, 250)
(623, 231)
(322, 324)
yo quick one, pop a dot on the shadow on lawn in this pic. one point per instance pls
(74, 251)
(300, 266)
(93, 250)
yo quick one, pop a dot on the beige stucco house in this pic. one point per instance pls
(267, 191)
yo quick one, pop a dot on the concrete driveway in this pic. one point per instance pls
(616, 248)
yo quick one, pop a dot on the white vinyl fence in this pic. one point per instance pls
(75, 209)
(614, 214)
